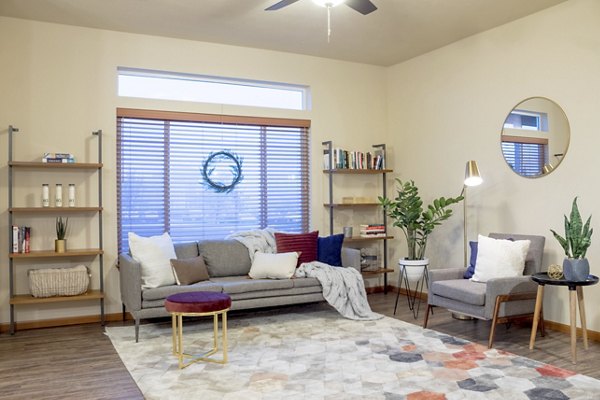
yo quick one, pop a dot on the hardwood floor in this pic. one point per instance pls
(79, 362)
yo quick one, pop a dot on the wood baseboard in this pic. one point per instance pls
(91, 319)
(52, 323)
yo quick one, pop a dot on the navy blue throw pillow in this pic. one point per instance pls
(329, 249)
(471, 268)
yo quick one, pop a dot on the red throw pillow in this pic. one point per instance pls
(305, 243)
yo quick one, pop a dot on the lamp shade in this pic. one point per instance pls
(472, 176)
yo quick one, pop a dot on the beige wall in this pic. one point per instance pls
(59, 84)
(448, 106)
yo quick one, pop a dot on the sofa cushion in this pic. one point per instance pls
(186, 250)
(189, 270)
(241, 284)
(273, 266)
(462, 290)
(153, 253)
(329, 249)
(306, 282)
(162, 292)
(225, 257)
(261, 294)
(304, 243)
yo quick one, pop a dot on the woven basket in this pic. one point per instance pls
(59, 281)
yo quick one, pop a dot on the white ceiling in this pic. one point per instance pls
(397, 31)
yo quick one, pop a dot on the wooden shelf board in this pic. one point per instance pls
(29, 299)
(52, 253)
(342, 205)
(358, 171)
(41, 165)
(53, 209)
(377, 272)
(360, 238)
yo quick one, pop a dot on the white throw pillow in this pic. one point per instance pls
(273, 265)
(499, 258)
(154, 255)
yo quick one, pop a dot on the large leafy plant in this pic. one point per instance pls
(417, 222)
(577, 237)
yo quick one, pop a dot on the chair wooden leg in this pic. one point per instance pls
(426, 319)
(494, 322)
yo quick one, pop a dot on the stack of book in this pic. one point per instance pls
(344, 159)
(21, 239)
(58, 158)
(372, 230)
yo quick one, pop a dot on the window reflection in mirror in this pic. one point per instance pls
(535, 137)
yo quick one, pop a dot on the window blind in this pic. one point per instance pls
(160, 186)
(527, 159)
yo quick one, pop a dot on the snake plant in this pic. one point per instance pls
(577, 237)
(61, 228)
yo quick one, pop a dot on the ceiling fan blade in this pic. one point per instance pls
(362, 6)
(281, 4)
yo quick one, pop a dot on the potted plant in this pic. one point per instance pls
(415, 221)
(60, 244)
(576, 241)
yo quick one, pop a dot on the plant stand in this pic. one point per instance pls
(412, 294)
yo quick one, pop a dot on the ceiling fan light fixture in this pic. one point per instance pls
(328, 3)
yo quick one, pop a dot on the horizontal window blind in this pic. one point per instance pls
(161, 188)
(527, 159)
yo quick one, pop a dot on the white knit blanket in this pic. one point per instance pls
(343, 288)
(262, 240)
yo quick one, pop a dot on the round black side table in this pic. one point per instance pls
(575, 296)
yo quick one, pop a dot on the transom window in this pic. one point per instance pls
(162, 168)
(210, 89)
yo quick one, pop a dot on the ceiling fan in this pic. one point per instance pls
(362, 6)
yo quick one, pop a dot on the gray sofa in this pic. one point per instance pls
(228, 264)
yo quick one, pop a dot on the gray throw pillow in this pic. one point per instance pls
(190, 270)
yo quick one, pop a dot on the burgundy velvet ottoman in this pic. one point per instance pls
(198, 304)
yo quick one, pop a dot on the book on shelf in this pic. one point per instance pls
(21, 239)
(58, 158)
(372, 230)
(344, 159)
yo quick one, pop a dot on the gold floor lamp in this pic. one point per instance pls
(472, 178)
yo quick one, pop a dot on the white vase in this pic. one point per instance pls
(414, 268)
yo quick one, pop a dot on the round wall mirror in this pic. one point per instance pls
(535, 137)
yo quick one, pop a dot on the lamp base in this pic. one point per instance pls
(461, 317)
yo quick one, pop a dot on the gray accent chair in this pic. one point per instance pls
(499, 300)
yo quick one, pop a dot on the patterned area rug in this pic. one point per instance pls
(324, 356)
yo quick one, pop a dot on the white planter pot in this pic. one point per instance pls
(414, 268)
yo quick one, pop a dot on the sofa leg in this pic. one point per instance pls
(542, 327)
(426, 319)
(123, 306)
(137, 329)
(494, 322)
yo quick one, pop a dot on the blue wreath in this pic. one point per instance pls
(211, 163)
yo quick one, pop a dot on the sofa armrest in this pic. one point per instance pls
(445, 274)
(504, 286)
(130, 274)
(351, 258)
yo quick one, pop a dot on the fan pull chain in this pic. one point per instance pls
(328, 23)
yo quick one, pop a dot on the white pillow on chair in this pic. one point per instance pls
(154, 255)
(499, 258)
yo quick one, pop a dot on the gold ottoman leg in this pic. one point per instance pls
(224, 333)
